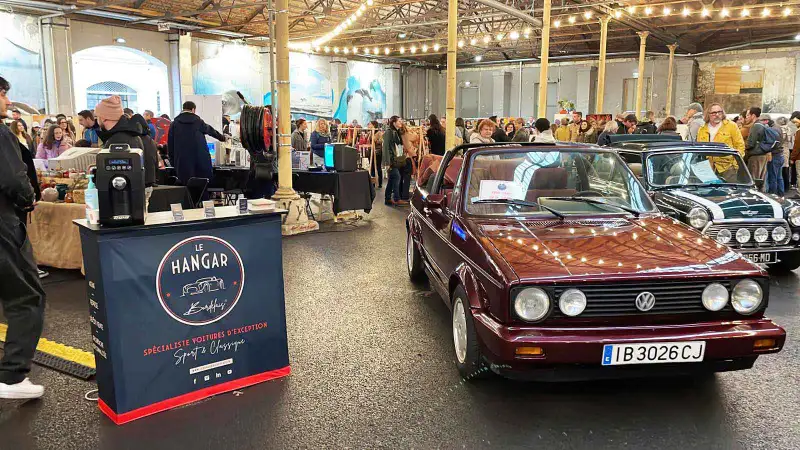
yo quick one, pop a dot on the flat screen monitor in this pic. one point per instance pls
(212, 150)
(329, 155)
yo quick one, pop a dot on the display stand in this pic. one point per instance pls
(182, 311)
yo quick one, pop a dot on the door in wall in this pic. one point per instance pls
(469, 101)
(552, 100)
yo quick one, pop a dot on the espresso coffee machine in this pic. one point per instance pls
(120, 186)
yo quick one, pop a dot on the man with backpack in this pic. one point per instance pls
(754, 155)
(764, 146)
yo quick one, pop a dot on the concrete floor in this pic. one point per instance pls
(373, 366)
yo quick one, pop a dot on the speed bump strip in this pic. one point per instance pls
(60, 357)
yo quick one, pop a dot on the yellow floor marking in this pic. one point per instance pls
(62, 351)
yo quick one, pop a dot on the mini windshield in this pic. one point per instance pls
(553, 183)
(696, 168)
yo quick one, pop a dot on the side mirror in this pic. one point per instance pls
(435, 201)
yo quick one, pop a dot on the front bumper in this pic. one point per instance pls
(729, 345)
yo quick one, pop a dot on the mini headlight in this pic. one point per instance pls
(715, 297)
(742, 235)
(761, 235)
(532, 304)
(724, 236)
(746, 296)
(794, 216)
(698, 217)
(572, 302)
(779, 234)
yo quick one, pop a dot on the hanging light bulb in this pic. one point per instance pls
(787, 11)
(478, 58)
(359, 13)
(745, 12)
(557, 23)
(631, 9)
(425, 48)
(386, 50)
(527, 30)
(335, 49)
(355, 50)
(473, 41)
(705, 12)
(648, 11)
(725, 12)
(461, 43)
(513, 35)
(375, 50)
(572, 19)
(413, 49)
(766, 12)
(327, 49)
(686, 12)
(402, 50)
(346, 51)
(499, 37)
(362, 8)
(587, 15)
(366, 51)
(667, 10)
(617, 14)
(486, 39)
(316, 49)
(436, 47)
(370, 2)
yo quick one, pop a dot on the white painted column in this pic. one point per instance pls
(393, 91)
(185, 65)
(174, 74)
(796, 83)
(587, 86)
(338, 83)
(57, 55)
(501, 94)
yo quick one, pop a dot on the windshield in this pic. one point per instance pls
(552, 183)
(696, 168)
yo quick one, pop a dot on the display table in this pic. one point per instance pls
(55, 241)
(181, 311)
(350, 190)
(164, 196)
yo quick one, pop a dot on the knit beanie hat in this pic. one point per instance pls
(109, 108)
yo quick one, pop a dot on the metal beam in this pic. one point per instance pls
(197, 12)
(512, 11)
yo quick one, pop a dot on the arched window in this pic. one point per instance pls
(97, 92)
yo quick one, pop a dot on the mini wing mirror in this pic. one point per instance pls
(435, 201)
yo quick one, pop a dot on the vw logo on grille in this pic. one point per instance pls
(645, 301)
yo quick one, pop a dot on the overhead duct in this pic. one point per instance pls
(511, 11)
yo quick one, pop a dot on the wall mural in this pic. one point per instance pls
(364, 97)
(212, 74)
(19, 59)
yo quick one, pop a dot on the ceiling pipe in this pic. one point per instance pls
(511, 11)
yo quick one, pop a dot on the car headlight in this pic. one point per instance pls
(724, 236)
(698, 217)
(761, 235)
(794, 216)
(746, 296)
(779, 234)
(572, 302)
(715, 297)
(532, 304)
(742, 235)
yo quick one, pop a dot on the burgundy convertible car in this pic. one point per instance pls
(556, 264)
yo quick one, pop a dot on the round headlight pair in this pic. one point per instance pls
(746, 296)
(779, 234)
(533, 304)
(794, 216)
(724, 236)
(698, 217)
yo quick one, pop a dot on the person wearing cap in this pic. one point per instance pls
(115, 126)
(21, 291)
(694, 119)
(15, 114)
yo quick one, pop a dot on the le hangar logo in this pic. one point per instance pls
(199, 280)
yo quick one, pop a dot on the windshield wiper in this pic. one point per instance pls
(593, 201)
(515, 202)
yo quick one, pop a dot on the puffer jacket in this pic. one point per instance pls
(16, 192)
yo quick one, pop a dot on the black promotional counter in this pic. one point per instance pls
(181, 311)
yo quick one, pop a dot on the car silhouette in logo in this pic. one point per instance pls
(203, 285)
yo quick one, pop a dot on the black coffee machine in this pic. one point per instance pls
(120, 186)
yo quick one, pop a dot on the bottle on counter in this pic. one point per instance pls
(92, 201)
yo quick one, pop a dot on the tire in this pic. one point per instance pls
(469, 360)
(789, 262)
(416, 271)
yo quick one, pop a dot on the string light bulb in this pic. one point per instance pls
(336, 50)
(386, 50)
(745, 12)
(346, 51)
(375, 50)
(359, 13)
(362, 8)
(486, 39)
(513, 36)
(617, 14)
(527, 30)
(370, 2)
(705, 12)
(413, 49)
(473, 41)
(765, 12)
(355, 50)
(327, 49)
(572, 19)
(557, 23)
(725, 12)
(461, 43)
(648, 11)
(787, 11)
(436, 47)
(686, 12)
(667, 10)
(499, 37)
(366, 51)
(631, 9)
(478, 58)
(424, 48)
(587, 15)
(402, 50)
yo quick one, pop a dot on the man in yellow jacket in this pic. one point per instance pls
(719, 129)
(562, 132)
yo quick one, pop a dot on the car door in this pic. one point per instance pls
(437, 232)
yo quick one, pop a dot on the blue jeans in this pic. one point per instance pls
(393, 185)
(775, 175)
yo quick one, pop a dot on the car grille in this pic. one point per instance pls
(616, 299)
(715, 228)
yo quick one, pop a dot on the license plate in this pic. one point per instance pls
(761, 258)
(655, 353)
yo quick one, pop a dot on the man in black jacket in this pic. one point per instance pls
(499, 134)
(188, 150)
(21, 292)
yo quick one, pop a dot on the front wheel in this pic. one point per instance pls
(789, 261)
(465, 341)
(414, 261)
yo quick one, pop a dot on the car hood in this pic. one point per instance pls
(617, 247)
(732, 202)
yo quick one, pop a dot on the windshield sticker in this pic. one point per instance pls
(705, 172)
(501, 190)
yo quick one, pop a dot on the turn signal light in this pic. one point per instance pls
(763, 344)
(532, 351)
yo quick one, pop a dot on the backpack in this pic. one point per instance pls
(771, 142)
